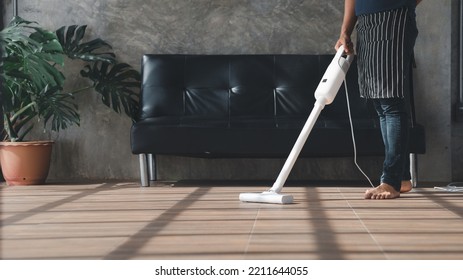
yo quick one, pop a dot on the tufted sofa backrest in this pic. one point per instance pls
(230, 86)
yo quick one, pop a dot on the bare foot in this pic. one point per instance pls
(406, 186)
(383, 191)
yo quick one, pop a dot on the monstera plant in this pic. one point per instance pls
(33, 83)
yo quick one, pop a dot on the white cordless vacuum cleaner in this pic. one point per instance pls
(324, 95)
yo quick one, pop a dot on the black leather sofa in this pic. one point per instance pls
(248, 106)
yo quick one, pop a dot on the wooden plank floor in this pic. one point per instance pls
(183, 220)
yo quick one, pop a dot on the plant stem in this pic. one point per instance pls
(18, 113)
(81, 89)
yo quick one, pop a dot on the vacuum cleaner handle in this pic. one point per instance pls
(333, 77)
(340, 52)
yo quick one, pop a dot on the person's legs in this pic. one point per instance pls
(384, 60)
(393, 118)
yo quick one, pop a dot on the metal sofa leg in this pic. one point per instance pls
(143, 171)
(413, 169)
(152, 167)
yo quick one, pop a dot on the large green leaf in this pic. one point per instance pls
(117, 84)
(33, 51)
(71, 39)
(57, 107)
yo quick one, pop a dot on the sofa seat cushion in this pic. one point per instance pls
(257, 137)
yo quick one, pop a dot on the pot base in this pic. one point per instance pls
(25, 163)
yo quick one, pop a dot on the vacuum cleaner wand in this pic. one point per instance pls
(324, 95)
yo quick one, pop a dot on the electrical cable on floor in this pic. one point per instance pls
(451, 187)
(353, 135)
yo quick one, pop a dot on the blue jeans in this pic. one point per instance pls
(393, 117)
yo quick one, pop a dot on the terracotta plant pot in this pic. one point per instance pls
(25, 163)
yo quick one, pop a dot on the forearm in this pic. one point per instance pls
(348, 25)
(349, 19)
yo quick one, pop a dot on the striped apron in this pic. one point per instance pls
(385, 42)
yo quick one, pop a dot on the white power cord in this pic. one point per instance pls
(353, 135)
(451, 187)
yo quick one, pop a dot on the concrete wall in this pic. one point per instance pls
(100, 147)
(457, 89)
(433, 87)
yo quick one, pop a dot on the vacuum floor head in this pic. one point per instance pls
(266, 197)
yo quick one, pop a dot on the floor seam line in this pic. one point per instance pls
(365, 227)
(251, 233)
